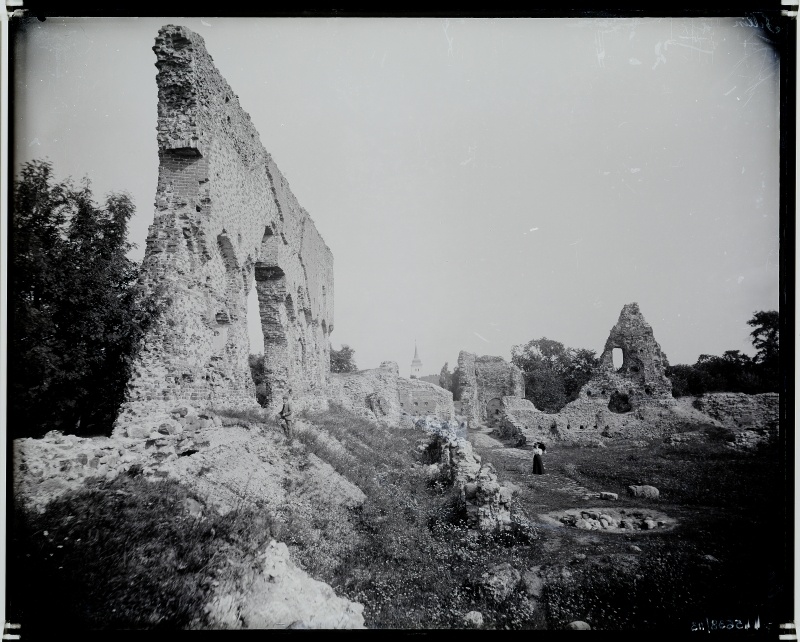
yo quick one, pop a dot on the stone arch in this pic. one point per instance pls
(494, 410)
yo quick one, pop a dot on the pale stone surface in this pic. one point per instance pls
(474, 619)
(500, 581)
(225, 221)
(280, 596)
(578, 625)
(487, 502)
(483, 379)
(376, 395)
(533, 581)
(648, 492)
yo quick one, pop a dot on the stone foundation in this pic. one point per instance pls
(377, 395)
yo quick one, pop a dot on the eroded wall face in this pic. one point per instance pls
(642, 377)
(226, 221)
(484, 379)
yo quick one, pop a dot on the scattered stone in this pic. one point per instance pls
(635, 548)
(647, 492)
(578, 625)
(474, 619)
(533, 582)
(193, 507)
(500, 581)
(610, 496)
(280, 595)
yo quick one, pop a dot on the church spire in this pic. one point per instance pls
(416, 363)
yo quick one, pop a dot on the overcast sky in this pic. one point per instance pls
(480, 182)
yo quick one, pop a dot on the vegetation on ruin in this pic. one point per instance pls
(735, 371)
(342, 360)
(76, 313)
(725, 559)
(451, 381)
(257, 371)
(124, 554)
(554, 373)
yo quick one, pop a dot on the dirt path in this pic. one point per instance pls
(515, 466)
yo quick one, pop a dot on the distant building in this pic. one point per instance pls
(416, 364)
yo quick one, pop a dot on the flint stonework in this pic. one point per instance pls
(225, 222)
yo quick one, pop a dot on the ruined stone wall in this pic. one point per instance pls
(225, 221)
(483, 379)
(642, 377)
(377, 395)
(371, 394)
(740, 411)
(418, 397)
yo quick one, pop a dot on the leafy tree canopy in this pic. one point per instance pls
(77, 316)
(342, 359)
(554, 373)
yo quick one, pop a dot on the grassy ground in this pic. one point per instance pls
(413, 562)
(122, 555)
(125, 555)
(724, 560)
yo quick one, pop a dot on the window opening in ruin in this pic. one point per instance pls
(617, 358)
(619, 403)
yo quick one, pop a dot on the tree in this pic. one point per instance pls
(554, 374)
(342, 359)
(735, 371)
(765, 335)
(446, 378)
(77, 314)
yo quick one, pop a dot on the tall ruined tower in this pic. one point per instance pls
(641, 379)
(225, 221)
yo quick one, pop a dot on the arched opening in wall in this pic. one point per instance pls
(494, 410)
(271, 292)
(231, 305)
(617, 358)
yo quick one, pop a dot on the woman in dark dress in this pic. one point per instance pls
(538, 467)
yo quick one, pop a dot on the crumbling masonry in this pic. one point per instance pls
(225, 220)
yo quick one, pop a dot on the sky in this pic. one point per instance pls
(480, 182)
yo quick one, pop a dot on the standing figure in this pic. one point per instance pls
(287, 416)
(538, 451)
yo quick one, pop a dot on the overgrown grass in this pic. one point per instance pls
(414, 563)
(725, 556)
(692, 474)
(123, 555)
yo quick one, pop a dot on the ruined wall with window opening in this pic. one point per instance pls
(225, 221)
